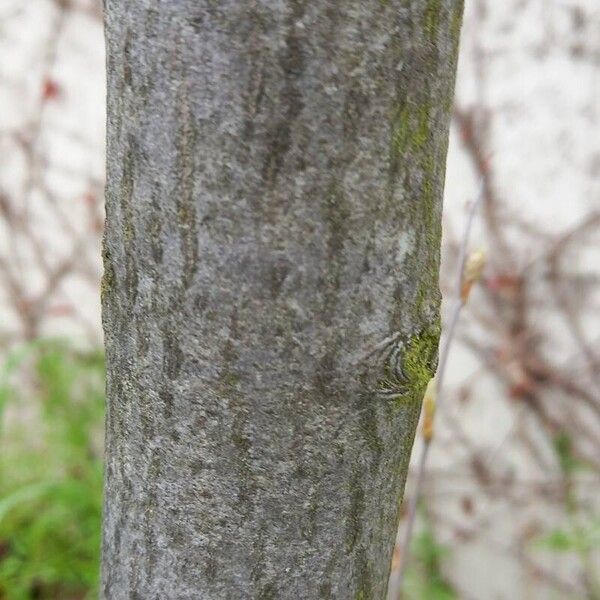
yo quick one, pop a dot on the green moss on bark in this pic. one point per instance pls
(418, 364)
(420, 361)
(410, 128)
(431, 18)
(108, 278)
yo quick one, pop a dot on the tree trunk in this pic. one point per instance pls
(270, 297)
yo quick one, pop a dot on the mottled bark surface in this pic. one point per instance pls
(275, 176)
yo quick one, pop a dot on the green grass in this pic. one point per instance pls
(424, 579)
(50, 473)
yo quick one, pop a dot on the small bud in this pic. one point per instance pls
(474, 266)
(429, 403)
(50, 89)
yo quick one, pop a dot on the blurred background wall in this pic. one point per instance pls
(512, 494)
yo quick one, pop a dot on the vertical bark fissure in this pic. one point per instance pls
(275, 176)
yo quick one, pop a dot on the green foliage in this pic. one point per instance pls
(563, 446)
(576, 540)
(50, 474)
(424, 579)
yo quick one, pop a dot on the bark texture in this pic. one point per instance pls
(270, 297)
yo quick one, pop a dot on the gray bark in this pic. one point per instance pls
(270, 298)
